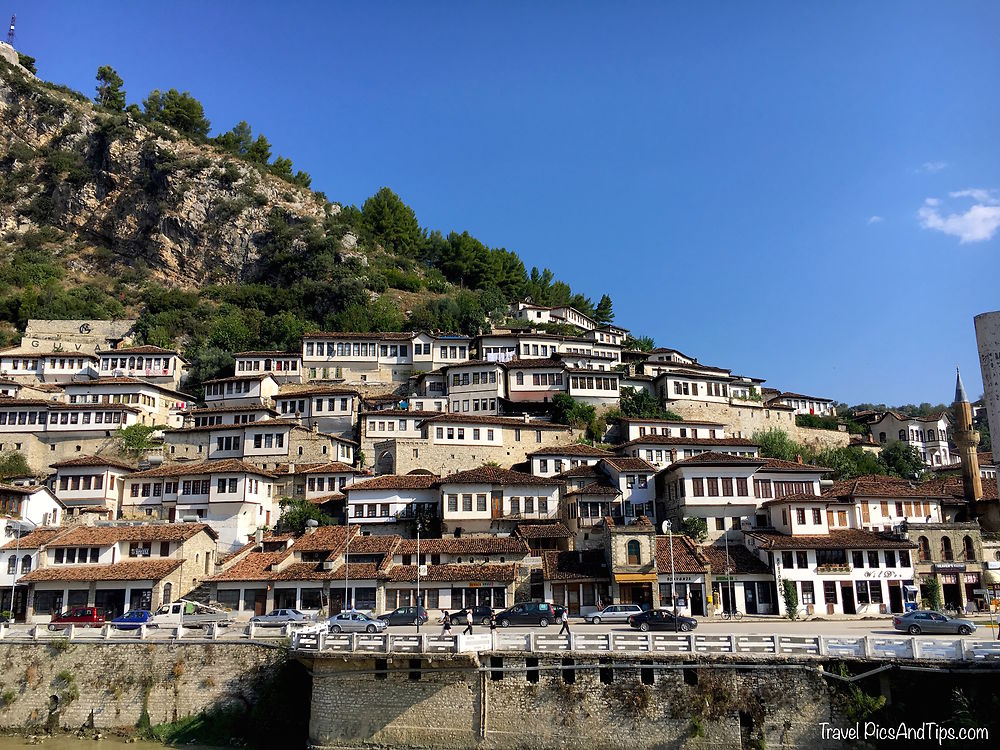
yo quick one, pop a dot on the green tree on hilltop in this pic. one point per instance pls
(109, 89)
(392, 223)
(27, 62)
(178, 110)
(295, 512)
(13, 464)
(603, 312)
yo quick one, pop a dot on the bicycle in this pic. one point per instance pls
(733, 614)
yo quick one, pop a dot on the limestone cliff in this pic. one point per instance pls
(134, 192)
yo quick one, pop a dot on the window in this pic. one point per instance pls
(890, 559)
(467, 503)
(481, 503)
(830, 592)
(727, 486)
(12, 565)
(698, 487)
(741, 487)
(862, 592)
(800, 516)
(632, 552)
(453, 503)
(873, 559)
(720, 524)
(904, 558)
(817, 516)
(713, 487)
(946, 551)
(808, 593)
(801, 559)
(968, 548)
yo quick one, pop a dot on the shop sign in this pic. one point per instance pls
(883, 574)
(948, 566)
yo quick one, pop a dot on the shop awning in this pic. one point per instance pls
(635, 577)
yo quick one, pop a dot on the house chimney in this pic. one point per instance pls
(798, 458)
(291, 468)
(311, 525)
(526, 418)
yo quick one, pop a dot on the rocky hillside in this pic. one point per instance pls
(112, 184)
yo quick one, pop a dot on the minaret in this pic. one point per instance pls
(967, 439)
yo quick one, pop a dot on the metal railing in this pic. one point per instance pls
(753, 646)
(83, 634)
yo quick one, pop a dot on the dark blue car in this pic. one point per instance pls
(132, 619)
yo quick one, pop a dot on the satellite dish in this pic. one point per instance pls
(666, 527)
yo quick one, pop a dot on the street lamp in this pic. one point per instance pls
(729, 578)
(668, 527)
(16, 525)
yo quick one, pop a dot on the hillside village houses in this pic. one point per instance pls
(389, 433)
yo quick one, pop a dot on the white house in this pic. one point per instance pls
(90, 482)
(245, 390)
(490, 500)
(284, 367)
(152, 363)
(388, 504)
(929, 435)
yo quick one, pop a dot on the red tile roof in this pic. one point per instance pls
(34, 539)
(850, 539)
(500, 572)
(555, 530)
(881, 486)
(325, 538)
(496, 475)
(92, 536)
(687, 557)
(574, 566)
(126, 570)
(629, 463)
(595, 488)
(254, 567)
(92, 461)
(222, 466)
(741, 560)
(394, 482)
(466, 545)
(573, 449)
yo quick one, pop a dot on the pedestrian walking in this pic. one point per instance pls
(564, 618)
(446, 624)
(468, 622)
(493, 621)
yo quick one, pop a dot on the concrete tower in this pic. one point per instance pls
(967, 439)
(988, 339)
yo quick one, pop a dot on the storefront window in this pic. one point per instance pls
(48, 602)
(229, 598)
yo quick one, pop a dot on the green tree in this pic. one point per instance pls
(178, 110)
(392, 223)
(135, 440)
(639, 343)
(775, 443)
(696, 528)
(296, 511)
(849, 462)
(902, 460)
(791, 597)
(567, 410)
(27, 62)
(643, 404)
(13, 464)
(603, 312)
(109, 89)
(934, 598)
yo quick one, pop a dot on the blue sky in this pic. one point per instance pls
(803, 192)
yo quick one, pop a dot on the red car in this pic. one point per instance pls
(88, 617)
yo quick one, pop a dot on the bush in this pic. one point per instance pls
(791, 596)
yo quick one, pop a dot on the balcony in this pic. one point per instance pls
(833, 568)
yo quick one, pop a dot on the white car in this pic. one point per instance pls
(355, 622)
(613, 613)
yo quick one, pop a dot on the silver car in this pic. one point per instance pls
(278, 617)
(355, 622)
(613, 613)
(928, 621)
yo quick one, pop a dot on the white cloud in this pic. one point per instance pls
(875, 219)
(931, 167)
(977, 223)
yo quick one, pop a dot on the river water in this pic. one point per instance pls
(69, 742)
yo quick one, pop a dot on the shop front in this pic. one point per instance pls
(689, 591)
(637, 588)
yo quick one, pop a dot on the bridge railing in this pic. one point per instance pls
(903, 647)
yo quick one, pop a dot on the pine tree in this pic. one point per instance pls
(604, 313)
(109, 90)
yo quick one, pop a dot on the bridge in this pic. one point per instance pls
(753, 646)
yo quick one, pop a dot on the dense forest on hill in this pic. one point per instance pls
(110, 209)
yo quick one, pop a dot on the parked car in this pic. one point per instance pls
(529, 613)
(88, 617)
(661, 619)
(613, 613)
(405, 616)
(278, 617)
(353, 621)
(927, 621)
(190, 615)
(132, 619)
(480, 615)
